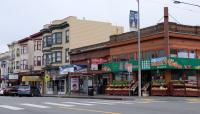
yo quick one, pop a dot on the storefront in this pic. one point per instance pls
(160, 76)
(77, 80)
(55, 82)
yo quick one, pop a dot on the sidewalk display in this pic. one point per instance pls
(118, 88)
(159, 88)
(184, 88)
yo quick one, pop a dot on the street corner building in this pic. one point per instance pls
(170, 62)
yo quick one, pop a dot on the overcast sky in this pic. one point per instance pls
(20, 18)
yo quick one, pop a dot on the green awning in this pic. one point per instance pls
(154, 64)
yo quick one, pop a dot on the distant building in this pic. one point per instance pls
(4, 67)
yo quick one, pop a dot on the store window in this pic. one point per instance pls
(177, 75)
(173, 52)
(61, 86)
(157, 74)
(191, 75)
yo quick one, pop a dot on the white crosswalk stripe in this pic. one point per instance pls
(34, 105)
(58, 104)
(11, 107)
(78, 103)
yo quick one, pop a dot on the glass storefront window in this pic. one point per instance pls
(191, 75)
(157, 74)
(177, 75)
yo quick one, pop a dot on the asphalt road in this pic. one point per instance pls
(51, 105)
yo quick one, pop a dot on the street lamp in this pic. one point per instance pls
(180, 2)
(139, 55)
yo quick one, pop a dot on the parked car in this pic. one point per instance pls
(2, 91)
(27, 90)
(11, 91)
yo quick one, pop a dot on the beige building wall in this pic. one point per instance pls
(86, 32)
(81, 33)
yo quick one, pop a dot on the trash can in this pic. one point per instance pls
(90, 91)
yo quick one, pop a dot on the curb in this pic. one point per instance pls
(84, 97)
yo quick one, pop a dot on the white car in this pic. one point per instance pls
(2, 91)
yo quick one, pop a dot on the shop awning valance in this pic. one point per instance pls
(154, 64)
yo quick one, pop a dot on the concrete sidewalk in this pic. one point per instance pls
(157, 98)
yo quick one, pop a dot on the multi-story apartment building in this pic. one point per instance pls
(60, 37)
(26, 60)
(31, 59)
(14, 63)
(4, 64)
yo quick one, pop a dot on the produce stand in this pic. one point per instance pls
(159, 88)
(184, 88)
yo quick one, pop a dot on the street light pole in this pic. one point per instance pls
(180, 2)
(139, 54)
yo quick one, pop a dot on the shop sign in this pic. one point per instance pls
(94, 66)
(73, 68)
(13, 77)
(183, 63)
(156, 63)
(159, 63)
(98, 60)
(65, 69)
(74, 84)
(129, 67)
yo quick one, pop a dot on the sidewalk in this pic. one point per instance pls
(133, 98)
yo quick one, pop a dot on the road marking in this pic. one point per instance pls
(34, 105)
(58, 104)
(160, 101)
(101, 103)
(193, 102)
(77, 103)
(143, 102)
(11, 107)
(90, 110)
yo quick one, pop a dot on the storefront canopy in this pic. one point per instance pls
(31, 78)
(154, 64)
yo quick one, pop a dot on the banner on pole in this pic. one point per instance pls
(133, 20)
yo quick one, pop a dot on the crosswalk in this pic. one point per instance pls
(86, 103)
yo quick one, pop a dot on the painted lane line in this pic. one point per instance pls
(11, 107)
(78, 103)
(58, 104)
(34, 105)
(193, 102)
(160, 101)
(101, 103)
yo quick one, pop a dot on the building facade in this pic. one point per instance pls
(63, 35)
(26, 61)
(4, 66)
(169, 61)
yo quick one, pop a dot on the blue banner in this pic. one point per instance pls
(133, 19)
